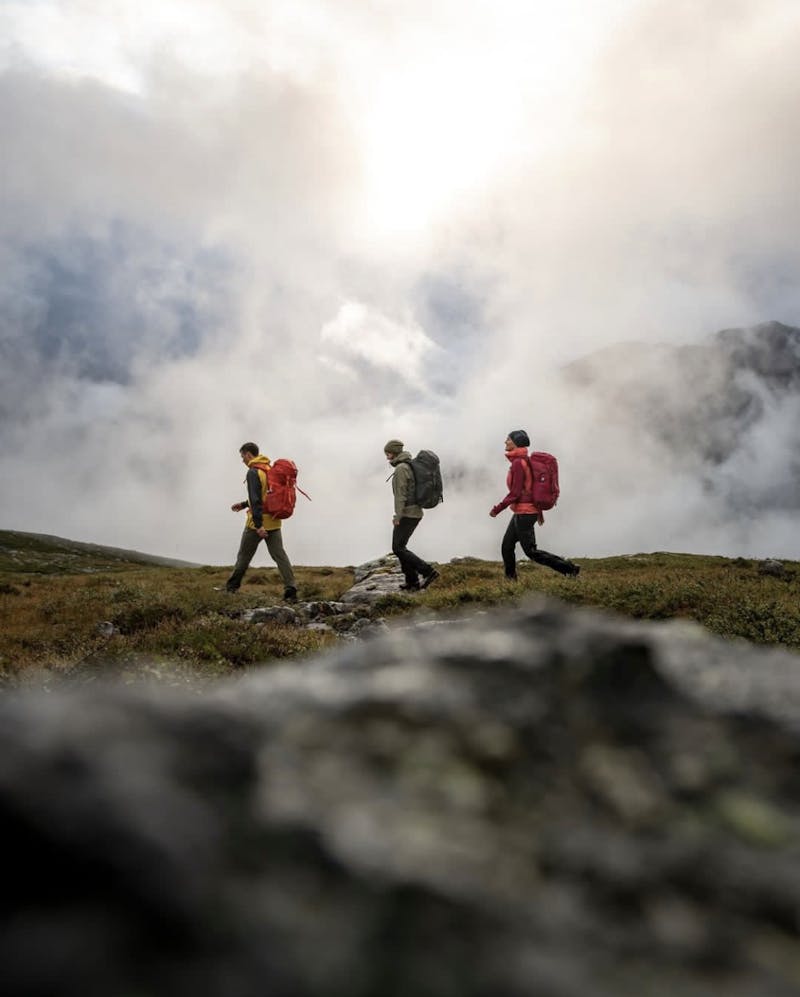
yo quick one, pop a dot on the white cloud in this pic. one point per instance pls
(364, 334)
(283, 185)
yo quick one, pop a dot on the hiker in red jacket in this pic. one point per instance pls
(260, 525)
(519, 482)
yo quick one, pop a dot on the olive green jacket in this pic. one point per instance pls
(404, 488)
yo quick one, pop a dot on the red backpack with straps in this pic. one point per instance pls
(545, 479)
(281, 494)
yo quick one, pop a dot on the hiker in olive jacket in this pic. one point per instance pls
(407, 515)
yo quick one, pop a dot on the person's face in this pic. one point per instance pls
(246, 457)
(510, 444)
(390, 456)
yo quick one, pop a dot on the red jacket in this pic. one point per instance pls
(519, 482)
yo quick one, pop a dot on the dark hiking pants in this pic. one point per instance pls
(248, 547)
(521, 531)
(411, 565)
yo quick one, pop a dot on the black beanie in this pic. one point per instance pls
(520, 437)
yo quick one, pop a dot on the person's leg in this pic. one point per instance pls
(278, 555)
(508, 549)
(247, 548)
(525, 526)
(559, 564)
(526, 532)
(411, 565)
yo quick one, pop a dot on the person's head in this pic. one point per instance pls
(517, 438)
(247, 451)
(392, 449)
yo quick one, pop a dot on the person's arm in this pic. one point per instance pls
(255, 496)
(515, 489)
(404, 490)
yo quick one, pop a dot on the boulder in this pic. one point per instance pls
(374, 580)
(543, 801)
(777, 569)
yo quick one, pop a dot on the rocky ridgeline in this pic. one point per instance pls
(544, 801)
(351, 616)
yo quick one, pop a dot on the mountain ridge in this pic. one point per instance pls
(43, 553)
(726, 409)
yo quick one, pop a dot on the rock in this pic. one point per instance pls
(349, 617)
(313, 610)
(107, 629)
(541, 801)
(273, 614)
(366, 627)
(386, 564)
(374, 580)
(772, 567)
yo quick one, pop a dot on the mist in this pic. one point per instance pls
(321, 225)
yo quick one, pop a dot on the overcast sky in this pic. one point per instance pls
(319, 224)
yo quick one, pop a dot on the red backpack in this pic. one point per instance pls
(282, 488)
(545, 479)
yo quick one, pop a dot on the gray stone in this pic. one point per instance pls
(772, 567)
(386, 564)
(366, 627)
(273, 614)
(374, 580)
(313, 610)
(543, 801)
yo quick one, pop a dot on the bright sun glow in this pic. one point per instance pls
(439, 123)
(442, 98)
(429, 138)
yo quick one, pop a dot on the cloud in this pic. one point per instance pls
(319, 224)
(362, 334)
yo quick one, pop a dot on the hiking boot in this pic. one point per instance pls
(429, 578)
(290, 594)
(410, 587)
(573, 571)
(224, 588)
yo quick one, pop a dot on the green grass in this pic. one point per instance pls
(173, 626)
(50, 621)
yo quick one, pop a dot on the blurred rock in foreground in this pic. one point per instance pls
(545, 801)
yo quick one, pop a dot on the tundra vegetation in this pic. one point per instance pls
(73, 610)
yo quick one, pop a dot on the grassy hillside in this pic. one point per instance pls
(42, 554)
(170, 623)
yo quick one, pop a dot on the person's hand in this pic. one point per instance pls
(395, 521)
(261, 532)
(236, 507)
(540, 519)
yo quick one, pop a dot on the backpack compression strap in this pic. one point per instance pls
(266, 468)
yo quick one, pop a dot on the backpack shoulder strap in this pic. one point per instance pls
(527, 473)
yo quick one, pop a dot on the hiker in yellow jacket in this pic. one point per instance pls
(260, 525)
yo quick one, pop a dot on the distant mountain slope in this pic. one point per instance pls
(44, 554)
(727, 409)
